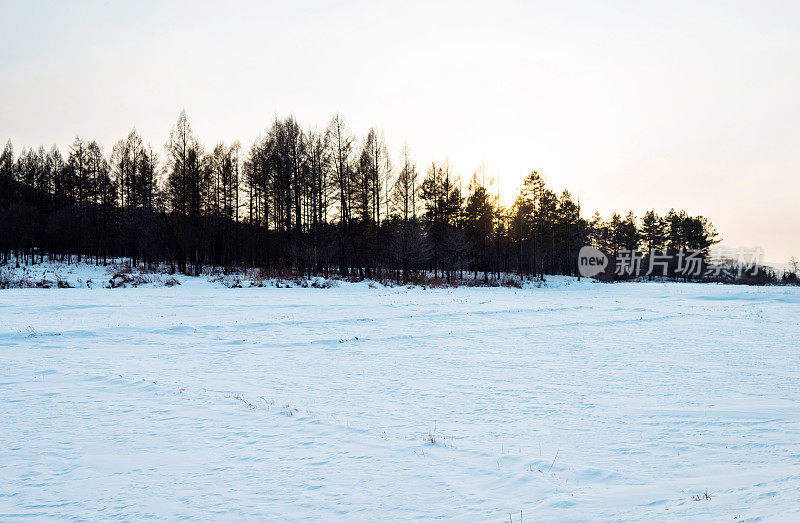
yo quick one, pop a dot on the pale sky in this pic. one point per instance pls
(629, 105)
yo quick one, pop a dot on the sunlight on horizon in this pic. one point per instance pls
(629, 106)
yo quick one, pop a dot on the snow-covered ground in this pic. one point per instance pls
(576, 401)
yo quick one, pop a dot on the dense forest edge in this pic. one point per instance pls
(303, 202)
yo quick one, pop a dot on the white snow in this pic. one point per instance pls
(575, 401)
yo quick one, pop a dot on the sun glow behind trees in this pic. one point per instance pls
(628, 105)
(302, 201)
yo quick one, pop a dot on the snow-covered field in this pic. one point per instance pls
(580, 401)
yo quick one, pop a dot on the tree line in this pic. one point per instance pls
(303, 201)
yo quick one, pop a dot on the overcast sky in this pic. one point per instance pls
(629, 105)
